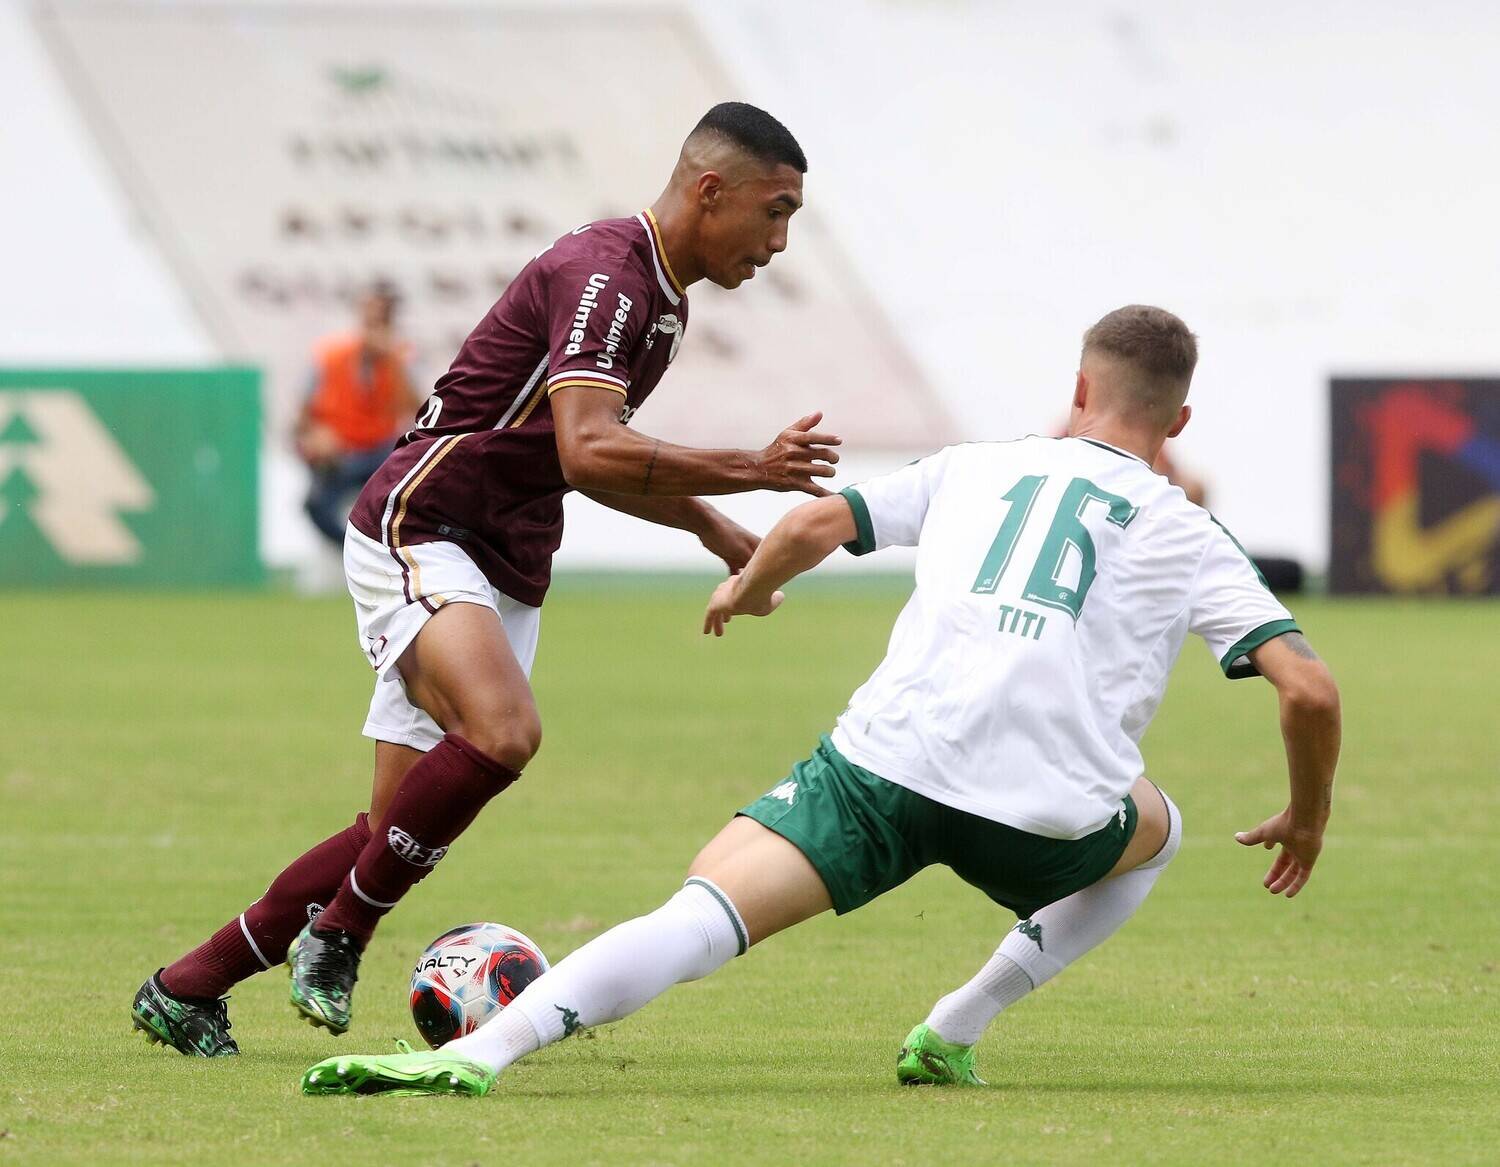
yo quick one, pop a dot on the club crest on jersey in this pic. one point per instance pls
(411, 850)
(668, 323)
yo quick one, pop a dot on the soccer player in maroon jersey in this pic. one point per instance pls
(449, 548)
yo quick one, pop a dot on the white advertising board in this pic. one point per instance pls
(284, 156)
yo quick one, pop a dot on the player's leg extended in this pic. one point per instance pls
(462, 671)
(939, 1051)
(747, 884)
(179, 1006)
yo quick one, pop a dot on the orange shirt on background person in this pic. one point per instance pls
(361, 398)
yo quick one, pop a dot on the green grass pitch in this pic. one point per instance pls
(164, 756)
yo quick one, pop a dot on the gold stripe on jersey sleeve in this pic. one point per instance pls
(405, 553)
(589, 382)
(661, 253)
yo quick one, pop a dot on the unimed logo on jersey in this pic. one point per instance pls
(62, 472)
(586, 304)
(606, 359)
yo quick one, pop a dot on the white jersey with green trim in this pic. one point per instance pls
(1056, 581)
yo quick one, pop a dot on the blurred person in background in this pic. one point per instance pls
(1179, 476)
(360, 400)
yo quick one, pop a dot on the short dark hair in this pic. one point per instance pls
(754, 131)
(1156, 342)
(388, 295)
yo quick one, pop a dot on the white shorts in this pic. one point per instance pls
(395, 594)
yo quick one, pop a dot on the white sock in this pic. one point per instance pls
(1036, 950)
(961, 1016)
(695, 932)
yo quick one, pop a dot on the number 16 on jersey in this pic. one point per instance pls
(1067, 532)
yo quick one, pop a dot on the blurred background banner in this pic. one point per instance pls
(285, 156)
(1416, 486)
(129, 477)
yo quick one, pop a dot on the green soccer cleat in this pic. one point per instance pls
(400, 1074)
(324, 966)
(927, 1060)
(197, 1028)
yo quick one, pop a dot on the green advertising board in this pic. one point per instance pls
(129, 477)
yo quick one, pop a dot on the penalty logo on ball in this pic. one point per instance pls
(467, 975)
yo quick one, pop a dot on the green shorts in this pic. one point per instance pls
(866, 835)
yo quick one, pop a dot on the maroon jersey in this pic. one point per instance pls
(600, 307)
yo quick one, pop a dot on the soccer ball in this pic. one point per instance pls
(467, 975)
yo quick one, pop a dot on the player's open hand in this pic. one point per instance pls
(318, 445)
(730, 600)
(1300, 847)
(799, 456)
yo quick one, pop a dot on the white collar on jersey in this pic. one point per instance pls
(1115, 449)
(665, 276)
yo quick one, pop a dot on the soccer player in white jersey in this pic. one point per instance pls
(1056, 581)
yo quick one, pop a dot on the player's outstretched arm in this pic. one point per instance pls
(804, 537)
(599, 452)
(719, 534)
(1311, 727)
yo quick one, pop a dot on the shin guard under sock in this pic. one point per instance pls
(437, 800)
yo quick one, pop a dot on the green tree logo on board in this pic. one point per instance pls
(65, 482)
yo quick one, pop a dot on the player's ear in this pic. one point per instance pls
(1183, 416)
(710, 189)
(1080, 391)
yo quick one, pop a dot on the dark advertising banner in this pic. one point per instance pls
(1416, 486)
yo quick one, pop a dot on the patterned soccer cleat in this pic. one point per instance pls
(199, 1029)
(927, 1060)
(399, 1074)
(324, 966)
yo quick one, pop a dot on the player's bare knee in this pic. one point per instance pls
(1155, 815)
(512, 739)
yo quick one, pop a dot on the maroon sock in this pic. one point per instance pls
(439, 797)
(257, 938)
